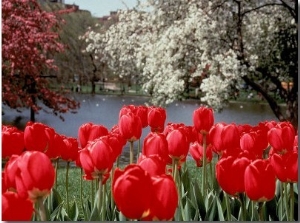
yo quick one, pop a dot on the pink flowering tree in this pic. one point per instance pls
(29, 41)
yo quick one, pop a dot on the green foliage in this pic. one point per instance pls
(194, 205)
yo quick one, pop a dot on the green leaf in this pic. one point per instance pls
(55, 198)
(47, 211)
(74, 212)
(95, 215)
(212, 210)
(200, 200)
(87, 209)
(220, 210)
(64, 215)
(55, 215)
(187, 211)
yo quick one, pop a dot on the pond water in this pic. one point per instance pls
(104, 109)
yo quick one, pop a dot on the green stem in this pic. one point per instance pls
(204, 165)
(212, 177)
(243, 206)
(227, 206)
(118, 162)
(252, 210)
(131, 152)
(81, 198)
(56, 167)
(100, 195)
(292, 202)
(112, 202)
(42, 211)
(260, 211)
(92, 192)
(286, 200)
(173, 168)
(104, 202)
(281, 196)
(67, 186)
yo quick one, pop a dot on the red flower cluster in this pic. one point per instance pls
(257, 155)
(26, 178)
(129, 187)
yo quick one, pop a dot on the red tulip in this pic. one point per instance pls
(15, 208)
(178, 144)
(225, 138)
(156, 143)
(38, 137)
(255, 143)
(70, 153)
(165, 198)
(132, 191)
(89, 131)
(203, 119)
(196, 150)
(130, 126)
(156, 118)
(260, 181)
(57, 147)
(12, 141)
(153, 164)
(11, 170)
(115, 143)
(4, 185)
(36, 175)
(126, 109)
(285, 166)
(96, 158)
(116, 131)
(142, 112)
(230, 174)
(281, 137)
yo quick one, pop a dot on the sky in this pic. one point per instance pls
(99, 8)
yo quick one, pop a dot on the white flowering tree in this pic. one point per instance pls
(170, 43)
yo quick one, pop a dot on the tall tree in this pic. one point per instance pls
(172, 42)
(29, 41)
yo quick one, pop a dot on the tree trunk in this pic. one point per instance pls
(32, 115)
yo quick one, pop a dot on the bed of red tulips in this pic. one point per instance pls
(247, 172)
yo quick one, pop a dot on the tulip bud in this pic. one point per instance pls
(230, 174)
(132, 191)
(89, 131)
(156, 118)
(12, 141)
(156, 143)
(260, 181)
(36, 175)
(203, 119)
(178, 144)
(165, 198)
(130, 126)
(282, 137)
(196, 150)
(38, 137)
(285, 166)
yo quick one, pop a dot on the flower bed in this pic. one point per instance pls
(247, 172)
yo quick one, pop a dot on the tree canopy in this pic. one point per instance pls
(30, 39)
(225, 43)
